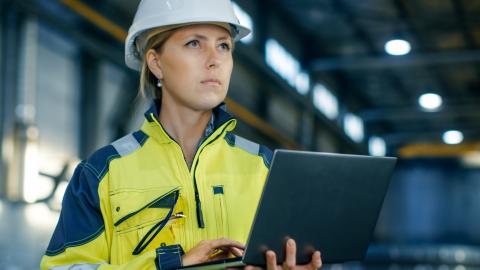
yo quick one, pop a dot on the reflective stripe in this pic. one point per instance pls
(251, 147)
(126, 145)
(80, 266)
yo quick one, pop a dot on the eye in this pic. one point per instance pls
(193, 44)
(225, 46)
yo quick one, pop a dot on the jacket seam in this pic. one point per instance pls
(76, 242)
(259, 154)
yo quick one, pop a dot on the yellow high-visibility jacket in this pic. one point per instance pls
(134, 204)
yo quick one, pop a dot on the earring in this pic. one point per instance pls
(159, 84)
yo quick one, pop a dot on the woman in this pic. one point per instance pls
(183, 189)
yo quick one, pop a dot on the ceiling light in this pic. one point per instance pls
(353, 126)
(377, 146)
(452, 137)
(430, 101)
(325, 101)
(397, 47)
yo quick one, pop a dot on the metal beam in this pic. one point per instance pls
(438, 150)
(396, 138)
(470, 42)
(392, 62)
(409, 113)
(362, 35)
(96, 18)
(99, 48)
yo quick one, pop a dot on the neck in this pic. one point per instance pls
(185, 125)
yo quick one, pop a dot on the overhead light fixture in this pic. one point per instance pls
(353, 126)
(377, 146)
(325, 101)
(430, 101)
(397, 47)
(302, 83)
(452, 137)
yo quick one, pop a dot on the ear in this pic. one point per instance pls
(153, 62)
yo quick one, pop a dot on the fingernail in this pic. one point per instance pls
(270, 253)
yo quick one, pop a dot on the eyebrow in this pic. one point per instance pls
(205, 38)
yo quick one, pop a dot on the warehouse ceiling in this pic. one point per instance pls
(344, 40)
(445, 59)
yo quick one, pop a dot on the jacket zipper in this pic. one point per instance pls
(198, 204)
(188, 232)
(200, 220)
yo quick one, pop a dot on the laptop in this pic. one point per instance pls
(325, 201)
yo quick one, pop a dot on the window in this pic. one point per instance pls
(325, 101)
(286, 66)
(353, 126)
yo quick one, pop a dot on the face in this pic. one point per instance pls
(194, 65)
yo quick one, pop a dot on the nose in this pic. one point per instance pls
(213, 58)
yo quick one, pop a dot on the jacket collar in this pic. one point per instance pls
(153, 128)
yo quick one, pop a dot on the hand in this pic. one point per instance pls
(210, 250)
(290, 260)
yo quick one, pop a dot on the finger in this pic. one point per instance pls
(251, 267)
(316, 260)
(291, 253)
(225, 242)
(236, 252)
(215, 251)
(271, 260)
(219, 256)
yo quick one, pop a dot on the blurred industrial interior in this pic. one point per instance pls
(380, 77)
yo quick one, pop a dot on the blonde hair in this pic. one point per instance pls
(148, 82)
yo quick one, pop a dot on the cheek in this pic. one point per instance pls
(181, 71)
(228, 68)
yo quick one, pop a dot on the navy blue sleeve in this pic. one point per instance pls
(80, 219)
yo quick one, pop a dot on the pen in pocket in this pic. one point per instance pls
(177, 215)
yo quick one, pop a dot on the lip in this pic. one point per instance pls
(211, 82)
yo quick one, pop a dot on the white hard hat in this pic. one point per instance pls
(175, 13)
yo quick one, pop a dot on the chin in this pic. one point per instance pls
(207, 105)
(209, 102)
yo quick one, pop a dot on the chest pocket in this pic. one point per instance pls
(144, 219)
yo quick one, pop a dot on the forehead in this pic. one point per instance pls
(207, 30)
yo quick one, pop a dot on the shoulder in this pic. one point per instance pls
(99, 161)
(90, 172)
(249, 146)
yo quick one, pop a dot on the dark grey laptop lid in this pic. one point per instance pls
(324, 201)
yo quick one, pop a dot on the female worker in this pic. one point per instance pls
(183, 189)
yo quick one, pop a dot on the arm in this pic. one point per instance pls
(83, 234)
